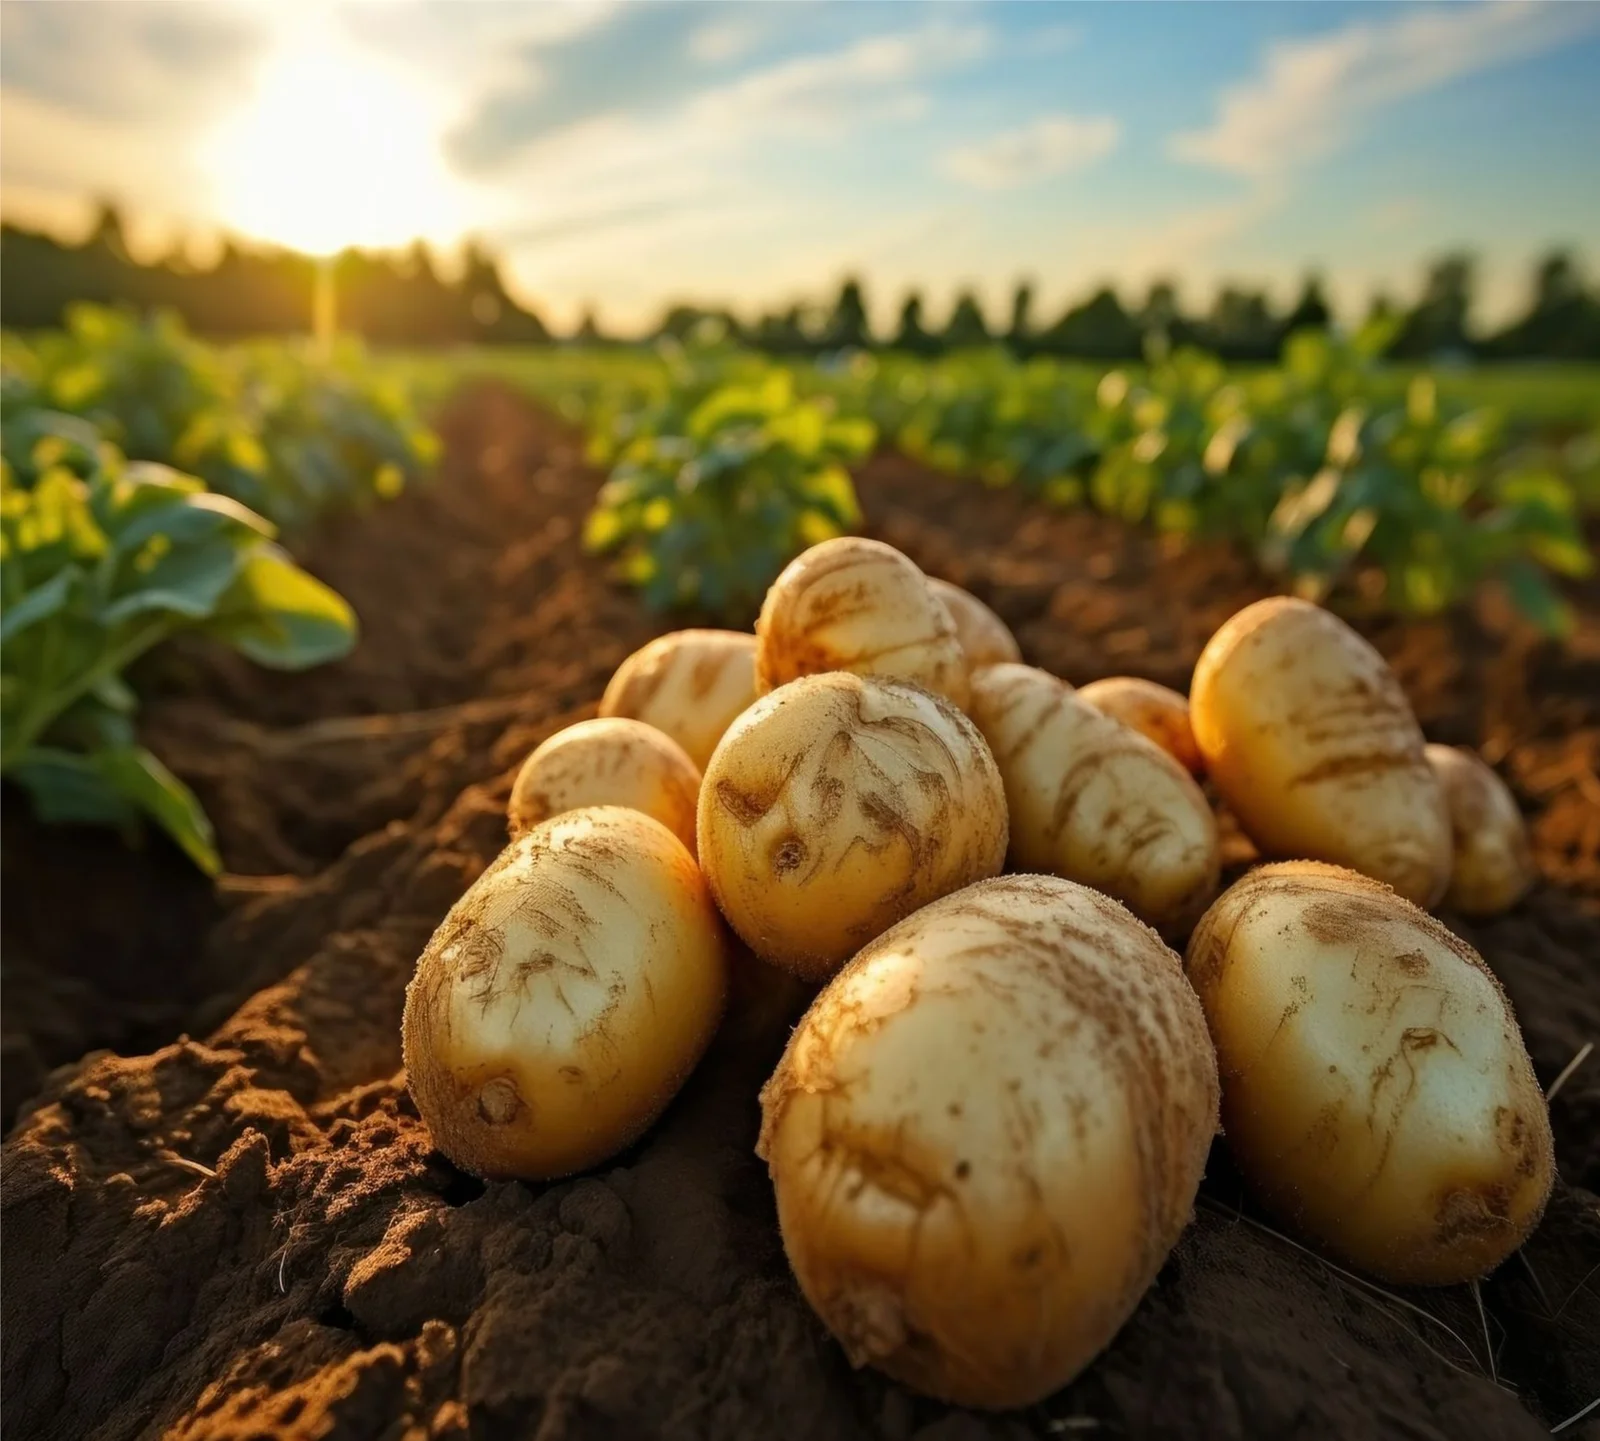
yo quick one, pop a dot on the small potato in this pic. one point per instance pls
(1158, 714)
(1308, 737)
(985, 638)
(566, 996)
(1375, 1089)
(1092, 800)
(1493, 862)
(838, 804)
(857, 605)
(987, 1134)
(608, 763)
(690, 684)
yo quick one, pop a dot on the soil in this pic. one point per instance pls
(231, 1223)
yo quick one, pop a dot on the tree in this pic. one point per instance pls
(1310, 310)
(1020, 334)
(1099, 329)
(1439, 323)
(912, 335)
(1160, 320)
(1241, 326)
(846, 328)
(1562, 320)
(967, 327)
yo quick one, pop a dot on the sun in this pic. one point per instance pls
(332, 149)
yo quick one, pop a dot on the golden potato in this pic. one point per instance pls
(1493, 862)
(566, 996)
(1158, 714)
(986, 1135)
(1308, 738)
(857, 605)
(985, 638)
(838, 804)
(690, 684)
(1375, 1089)
(1092, 800)
(609, 762)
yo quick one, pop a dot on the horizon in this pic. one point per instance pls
(624, 157)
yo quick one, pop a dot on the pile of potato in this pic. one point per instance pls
(988, 1131)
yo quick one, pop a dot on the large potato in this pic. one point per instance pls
(1375, 1089)
(1493, 866)
(857, 605)
(1308, 737)
(985, 638)
(1158, 714)
(1092, 800)
(565, 997)
(838, 804)
(608, 763)
(690, 684)
(986, 1135)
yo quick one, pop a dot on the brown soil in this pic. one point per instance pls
(250, 1235)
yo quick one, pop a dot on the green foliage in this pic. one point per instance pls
(714, 490)
(100, 560)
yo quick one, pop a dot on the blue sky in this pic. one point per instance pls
(628, 153)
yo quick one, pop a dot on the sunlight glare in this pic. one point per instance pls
(331, 149)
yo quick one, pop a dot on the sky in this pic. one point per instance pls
(622, 155)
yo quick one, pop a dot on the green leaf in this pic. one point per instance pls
(140, 778)
(189, 582)
(1534, 596)
(281, 617)
(40, 604)
(67, 788)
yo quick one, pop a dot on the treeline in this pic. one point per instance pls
(392, 299)
(405, 298)
(1562, 322)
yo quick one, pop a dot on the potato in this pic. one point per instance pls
(1493, 866)
(986, 1135)
(690, 684)
(608, 763)
(838, 804)
(566, 996)
(1160, 715)
(1375, 1089)
(1309, 739)
(985, 638)
(1092, 800)
(857, 605)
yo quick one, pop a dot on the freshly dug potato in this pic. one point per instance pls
(857, 605)
(985, 638)
(1158, 714)
(565, 997)
(1375, 1089)
(608, 763)
(690, 684)
(1493, 862)
(1092, 800)
(986, 1135)
(1308, 737)
(838, 804)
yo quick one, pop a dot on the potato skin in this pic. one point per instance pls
(609, 762)
(690, 684)
(985, 638)
(857, 605)
(565, 997)
(1375, 1088)
(838, 804)
(1092, 800)
(1160, 715)
(1308, 737)
(1493, 867)
(986, 1135)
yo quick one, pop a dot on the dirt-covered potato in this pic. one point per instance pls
(986, 1135)
(985, 638)
(1375, 1088)
(838, 804)
(1493, 866)
(1158, 714)
(1308, 737)
(857, 605)
(1092, 800)
(608, 763)
(565, 997)
(690, 684)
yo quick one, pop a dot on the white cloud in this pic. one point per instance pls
(1050, 145)
(722, 41)
(1312, 94)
